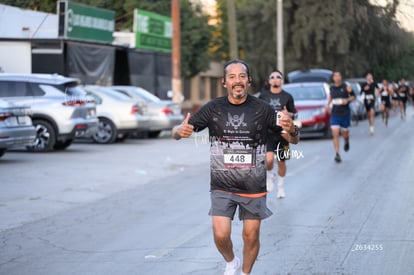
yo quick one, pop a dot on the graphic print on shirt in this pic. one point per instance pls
(238, 136)
(275, 103)
(236, 121)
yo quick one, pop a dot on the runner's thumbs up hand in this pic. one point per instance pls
(185, 130)
(187, 118)
(286, 112)
(286, 123)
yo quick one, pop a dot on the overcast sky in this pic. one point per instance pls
(405, 12)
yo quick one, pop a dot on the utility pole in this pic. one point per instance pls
(176, 51)
(231, 10)
(279, 35)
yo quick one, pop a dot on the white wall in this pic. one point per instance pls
(124, 38)
(19, 23)
(15, 57)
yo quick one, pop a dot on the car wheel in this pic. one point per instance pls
(62, 145)
(107, 132)
(154, 134)
(2, 151)
(45, 137)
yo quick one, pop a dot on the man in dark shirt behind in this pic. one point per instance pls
(340, 97)
(403, 94)
(238, 124)
(369, 91)
(281, 101)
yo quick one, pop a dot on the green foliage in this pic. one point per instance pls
(352, 36)
(195, 39)
(38, 5)
(219, 43)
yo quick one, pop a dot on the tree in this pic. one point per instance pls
(352, 36)
(195, 32)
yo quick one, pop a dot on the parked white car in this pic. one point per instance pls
(119, 115)
(164, 114)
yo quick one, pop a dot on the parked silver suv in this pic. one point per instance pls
(61, 111)
(16, 127)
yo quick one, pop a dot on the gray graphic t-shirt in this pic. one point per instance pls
(238, 135)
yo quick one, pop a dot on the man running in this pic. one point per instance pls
(281, 101)
(238, 124)
(369, 90)
(395, 98)
(385, 93)
(412, 94)
(340, 97)
(403, 93)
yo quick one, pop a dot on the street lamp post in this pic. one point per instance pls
(279, 35)
(176, 51)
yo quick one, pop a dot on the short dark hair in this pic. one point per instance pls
(236, 61)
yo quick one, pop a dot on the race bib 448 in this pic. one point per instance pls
(238, 158)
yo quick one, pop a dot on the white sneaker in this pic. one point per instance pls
(371, 130)
(280, 192)
(233, 269)
(270, 179)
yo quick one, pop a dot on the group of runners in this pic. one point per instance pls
(247, 134)
(388, 95)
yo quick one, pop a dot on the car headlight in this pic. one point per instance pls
(319, 111)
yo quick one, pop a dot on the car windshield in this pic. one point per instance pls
(306, 92)
(75, 90)
(309, 78)
(355, 87)
(111, 93)
(147, 96)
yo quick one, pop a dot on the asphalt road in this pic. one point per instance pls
(141, 208)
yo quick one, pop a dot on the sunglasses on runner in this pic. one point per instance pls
(276, 76)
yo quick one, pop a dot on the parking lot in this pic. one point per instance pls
(140, 207)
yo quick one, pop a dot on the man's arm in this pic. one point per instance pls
(290, 107)
(350, 93)
(328, 105)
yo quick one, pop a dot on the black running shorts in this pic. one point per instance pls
(280, 147)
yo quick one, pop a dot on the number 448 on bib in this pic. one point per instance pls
(238, 158)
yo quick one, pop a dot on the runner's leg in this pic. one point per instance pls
(402, 109)
(270, 177)
(222, 237)
(251, 238)
(382, 107)
(335, 134)
(371, 118)
(345, 134)
(281, 178)
(387, 115)
(405, 108)
(281, 171)
(270, 156)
